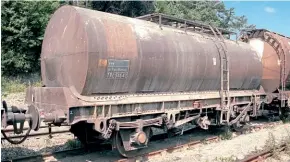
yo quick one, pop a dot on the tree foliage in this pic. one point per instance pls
(126, 8)
(22, 28)
(214, 13)
(24, 22)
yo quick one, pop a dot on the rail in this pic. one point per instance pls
(263, 155)
(38, 134)
(106, 146)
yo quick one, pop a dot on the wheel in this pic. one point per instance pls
(237, 127)
(86, 135)
(120, 147)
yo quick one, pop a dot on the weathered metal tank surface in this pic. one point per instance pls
(95, 52)
(271, 60)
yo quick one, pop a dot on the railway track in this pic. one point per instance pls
(42, 156)
(106, 147)
(48, 132)
(169, 149)
(146, 155)
(38, 134)
(188, 145)
(261, 156)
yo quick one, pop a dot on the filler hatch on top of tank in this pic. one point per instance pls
(117, 69)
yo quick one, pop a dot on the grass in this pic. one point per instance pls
(18, 84)
(227, 134)
(286, 119)
(272, 145)
(287, 142)
(226, 159)
(73, 143)
(270, 142)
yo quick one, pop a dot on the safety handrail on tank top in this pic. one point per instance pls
(163, 19)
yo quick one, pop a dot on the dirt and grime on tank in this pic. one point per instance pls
(156, 60)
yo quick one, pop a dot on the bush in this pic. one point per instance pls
(22, 30)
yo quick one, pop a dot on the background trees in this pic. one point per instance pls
(24, 22)
(211, 12)
(22, 28)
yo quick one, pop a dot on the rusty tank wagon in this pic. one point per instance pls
(114, 78)
(274, 50)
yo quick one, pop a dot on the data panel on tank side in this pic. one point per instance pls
(117, 69)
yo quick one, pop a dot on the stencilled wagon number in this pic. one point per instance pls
(117, 69)
(117, 75)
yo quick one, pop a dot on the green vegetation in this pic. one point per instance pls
(227, 134)
(205, 11)
(22, 29)
(73, 143)
(272, 145)
(287, 142)
(285, 116)
(271, 142)
(23, 25)
(18, 84)
(226, 159)
(11, 86)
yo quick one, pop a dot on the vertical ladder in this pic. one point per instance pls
(224, 70)
(283, 80)
(283, 75)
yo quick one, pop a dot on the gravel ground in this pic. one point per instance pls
(110, 156)
(37, 145)
(229, 150)
(42, 144)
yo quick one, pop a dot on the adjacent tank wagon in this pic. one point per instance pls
(274, 49)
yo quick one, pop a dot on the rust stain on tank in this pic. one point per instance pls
(270, 62)
(285, 48)
(120, 38)
(106, 53)
(103, 62)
